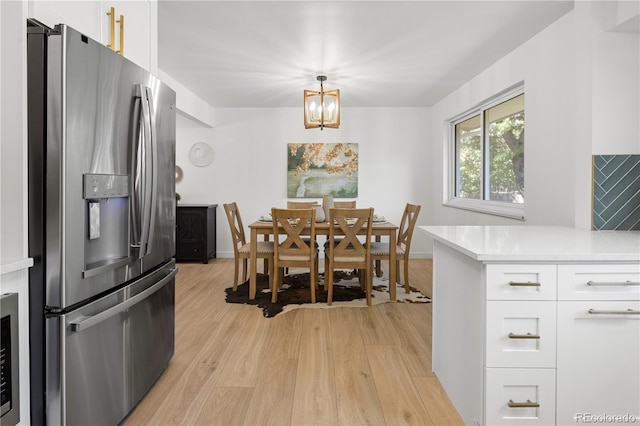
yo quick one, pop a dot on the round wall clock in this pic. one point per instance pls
(201, 154)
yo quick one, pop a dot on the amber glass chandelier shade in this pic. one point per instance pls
(321, 109)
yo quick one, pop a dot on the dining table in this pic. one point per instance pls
(265, 228)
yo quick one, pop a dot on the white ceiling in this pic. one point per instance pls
(378, 53)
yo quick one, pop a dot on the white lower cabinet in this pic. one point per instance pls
(567, 357)
(520, 345)
(598, 379)
(520, 396)
(537, 343)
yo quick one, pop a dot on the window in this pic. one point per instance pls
(488, 157)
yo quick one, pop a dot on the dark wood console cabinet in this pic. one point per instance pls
(196, 232)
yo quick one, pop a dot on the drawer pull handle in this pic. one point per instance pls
(627, 312)
(613, 284)
(528, 404)
(523, 284)
(523, 336)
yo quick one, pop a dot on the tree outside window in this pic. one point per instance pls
(489, 153)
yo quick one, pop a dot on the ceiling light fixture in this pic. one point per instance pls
(321, 109)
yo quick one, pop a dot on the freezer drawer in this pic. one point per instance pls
(111, 352)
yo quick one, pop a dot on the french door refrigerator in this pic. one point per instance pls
(101, 164)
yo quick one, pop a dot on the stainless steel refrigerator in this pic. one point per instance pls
(101, 229)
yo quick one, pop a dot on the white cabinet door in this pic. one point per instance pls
(84, 16)
(598, 361)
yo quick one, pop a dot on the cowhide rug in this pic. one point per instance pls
(295, 293)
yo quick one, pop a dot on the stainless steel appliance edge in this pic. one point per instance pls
(101, 228)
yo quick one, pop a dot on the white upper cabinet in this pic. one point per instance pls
(84, 16)
(133, 34)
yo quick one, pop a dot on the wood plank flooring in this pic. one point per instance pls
(339, 366)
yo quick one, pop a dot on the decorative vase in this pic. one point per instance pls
(327, 203)
(320, 217)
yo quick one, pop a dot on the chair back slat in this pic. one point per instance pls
(292, 225)
(407, 225)
(235, 225)
(350, 222)
(301, 204)
(344, 204)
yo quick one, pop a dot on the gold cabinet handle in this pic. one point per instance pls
(613, 283)
(523, 336)
(121, 22)
(523, 284)
(528, 404)
(112, 27)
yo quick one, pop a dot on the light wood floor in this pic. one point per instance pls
(339, 366)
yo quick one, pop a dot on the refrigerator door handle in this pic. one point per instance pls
(153, 189)
(137, 174)
(143, 170)
(106, 314)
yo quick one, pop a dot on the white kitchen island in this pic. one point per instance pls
(537, 325)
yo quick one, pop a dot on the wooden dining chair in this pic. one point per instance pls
(305, 205)
(344, 204)
(241, 250)
(291, 250)
(336, 205)
(348, 252)
(380, 250)
(301, 204)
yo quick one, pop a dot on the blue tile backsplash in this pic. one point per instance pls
(616, 192)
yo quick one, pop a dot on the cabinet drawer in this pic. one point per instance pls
(520, 396)
(521, 334)
(521, 282)
(599, 282)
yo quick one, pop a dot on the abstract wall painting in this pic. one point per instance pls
(317, 169)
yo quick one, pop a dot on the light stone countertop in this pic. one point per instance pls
(538, 243)
(8, 265)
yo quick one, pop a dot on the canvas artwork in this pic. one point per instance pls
(317, 169)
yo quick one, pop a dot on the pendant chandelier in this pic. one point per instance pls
(321, 109)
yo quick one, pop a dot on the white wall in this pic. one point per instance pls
(13, 148)
(608, 85)
(13, 177)
(546, 65)
(579, 81)
(616, 87)
(251, 151)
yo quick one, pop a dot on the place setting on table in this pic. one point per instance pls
(293, 290)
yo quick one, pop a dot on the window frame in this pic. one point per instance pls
(497, 208)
